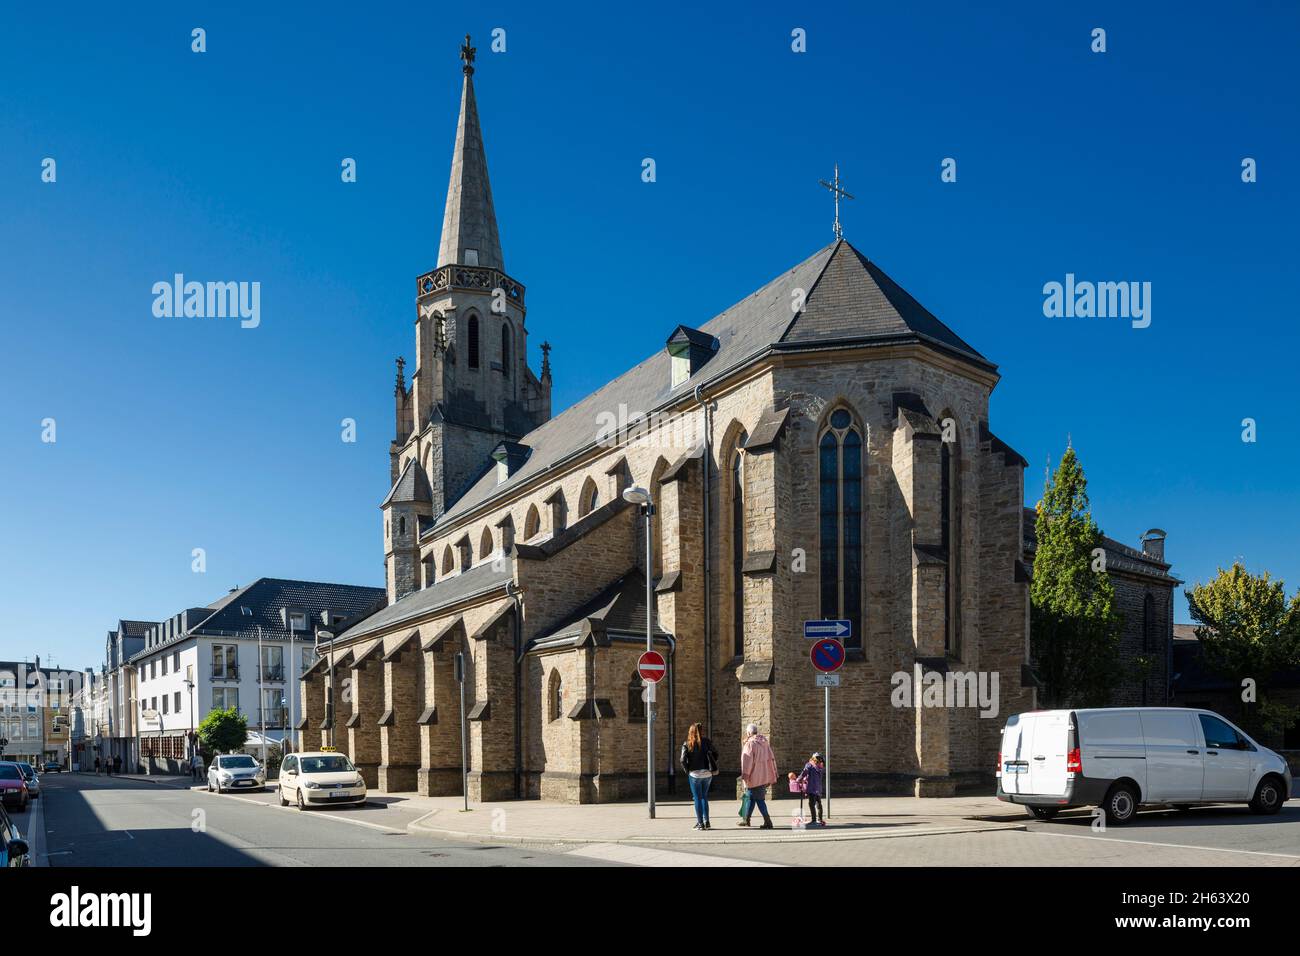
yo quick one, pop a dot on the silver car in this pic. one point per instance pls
(32, 777)
(235, 772)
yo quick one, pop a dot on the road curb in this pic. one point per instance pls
(691, 837)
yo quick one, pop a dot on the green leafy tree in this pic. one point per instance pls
(224, 731)
(1074, 627)
(1249, 630)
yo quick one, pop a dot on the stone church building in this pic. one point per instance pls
(821, 449)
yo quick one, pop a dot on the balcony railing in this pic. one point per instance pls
(276, 717)
(273, 673)
(231, 672)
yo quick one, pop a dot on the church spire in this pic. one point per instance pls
(469, 225)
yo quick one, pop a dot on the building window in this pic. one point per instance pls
(153, 669)
(505, 349)
(555, 695)
(840, 468)
(176, 706)
(224, 698)
(737, 471)
(950, 541)
(532, 523)
(1149, 622)
(272, 662)
(274, 713)
(225, 661)
(165, 703)
(635, 702)
(473, 341)
(176, 661)
(401, 526)
(589, 500)
(164, 666)
(448, 562)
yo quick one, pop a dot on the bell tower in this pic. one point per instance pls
(472, 387)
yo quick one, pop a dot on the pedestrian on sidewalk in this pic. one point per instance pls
(699, 758)
(196, 767)
(814, 772)
(97, 766)
(117, 764)
(758, 771)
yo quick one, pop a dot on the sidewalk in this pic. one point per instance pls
(538, 823)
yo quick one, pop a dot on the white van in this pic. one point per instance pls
(1118, 758)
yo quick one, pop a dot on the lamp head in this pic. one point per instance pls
(637, 495)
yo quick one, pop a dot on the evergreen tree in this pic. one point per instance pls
(1074, 627)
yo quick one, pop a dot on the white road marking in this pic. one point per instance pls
(324, 816)
(647, 856)
(1177, 846)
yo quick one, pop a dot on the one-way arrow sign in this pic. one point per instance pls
(818, 629)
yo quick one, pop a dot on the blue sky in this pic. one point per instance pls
(176, 434)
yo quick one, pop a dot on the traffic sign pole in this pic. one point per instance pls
(826, 753)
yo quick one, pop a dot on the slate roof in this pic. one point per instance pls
(265, 598)
(469, 221)
(412, 485)
(1119, 556)
(848, 300)
(440, 594)
(620, 608)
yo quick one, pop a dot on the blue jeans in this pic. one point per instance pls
(700, 794)
(757, 798)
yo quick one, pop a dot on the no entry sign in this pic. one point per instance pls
(828, 655)
(651, 667)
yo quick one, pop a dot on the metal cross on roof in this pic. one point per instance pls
(467, 54)
(837, 191)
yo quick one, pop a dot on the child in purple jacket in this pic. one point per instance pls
(812, 776)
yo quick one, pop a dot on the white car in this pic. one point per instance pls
(1120, 758)
(235, 772)
(319, 778)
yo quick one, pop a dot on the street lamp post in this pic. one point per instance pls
(641, 496)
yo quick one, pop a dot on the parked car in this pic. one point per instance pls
(1121, 758)
(33, 781)
(13, 786)
(53, 766)
(320, 777)
(13, 848)
(235, 772)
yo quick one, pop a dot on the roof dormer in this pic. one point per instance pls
(688, 350)
(510, 457)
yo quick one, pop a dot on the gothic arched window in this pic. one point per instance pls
(473, 341)
(448, 561)
(485, 546)
(950, 533)
(589, 499)
(1148, 622)
(505, 349)
(555, 696)
(532, 523)
(839, 455)
(737, 485)
(635, 702)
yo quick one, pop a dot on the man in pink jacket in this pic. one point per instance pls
(758, 771)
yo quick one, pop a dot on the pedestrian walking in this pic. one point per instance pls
(117, 764)
(196, 767)
(699, 759)
(97, 766)
(812, 778)
(758, 771)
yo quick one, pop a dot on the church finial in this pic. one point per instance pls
(546, 360)
(401, 375)
(467, 54)
(837, 191)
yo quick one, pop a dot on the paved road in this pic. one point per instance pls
(119, 821)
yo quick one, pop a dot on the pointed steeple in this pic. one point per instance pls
(470, 222)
